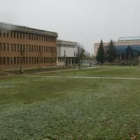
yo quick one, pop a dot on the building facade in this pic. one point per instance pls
(66, 53)
(125, 46)
(29, 47)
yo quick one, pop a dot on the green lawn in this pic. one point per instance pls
(115, 71)
(34, 108)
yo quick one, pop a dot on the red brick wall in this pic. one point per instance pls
(10, 46)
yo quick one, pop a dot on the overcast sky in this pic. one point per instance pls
(83, 21)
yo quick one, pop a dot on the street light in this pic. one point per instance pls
(64, 58)
(74, 58)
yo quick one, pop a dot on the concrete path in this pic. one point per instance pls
(67, 70)
(85, 77)
(12, 75)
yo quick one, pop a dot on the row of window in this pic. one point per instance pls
(26, 48)
(61, 59)
(29, 36)
(26, 60)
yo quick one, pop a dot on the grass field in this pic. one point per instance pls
(115, 71)
(35, 108)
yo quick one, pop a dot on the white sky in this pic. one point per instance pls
(83, 21)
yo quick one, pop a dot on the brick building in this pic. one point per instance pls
(29, 47)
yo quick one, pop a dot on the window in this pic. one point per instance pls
(4, 47)
(20, 35)
(29, 48)
(17, 34)
(26, 48)
(0, 60)
(29, 36)
(11, 47)
(11, 60)
(14, 47)
(7, 46)
(23, 47)
(26, 60)
(23, 60)
(32, 48)
(29, 60)
(23, 35)
(15, 60)
(18, 48)
(18, 60)
(35, 48)
(34, 37)
(4, 60)
(0, 46)
(3, 33)
(14, 34)
(32, 60)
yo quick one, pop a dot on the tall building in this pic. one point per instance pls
(122, 47)
(66, 53)
(20, 45)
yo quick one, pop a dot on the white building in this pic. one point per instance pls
(66, 53)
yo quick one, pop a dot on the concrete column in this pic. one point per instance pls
(70, 61)
(9, 34)
(16, 35)
(63, 59)
(25, 35)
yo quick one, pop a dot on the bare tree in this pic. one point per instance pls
(22, 59)
(39, 58)
(80, 54)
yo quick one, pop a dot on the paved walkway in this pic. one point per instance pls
(74, 77)
(12, 75)
(85, 77)
(68, 70)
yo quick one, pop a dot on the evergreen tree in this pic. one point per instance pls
(101, 54)
(129, 53)
(111, 52)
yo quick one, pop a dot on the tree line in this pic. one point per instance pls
(81, 54)
(109, 54)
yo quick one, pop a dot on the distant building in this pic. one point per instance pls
(39, 47)
(122, 45)
(66, 53)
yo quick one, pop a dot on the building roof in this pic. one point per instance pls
(63, 42)
(7, 26)
(131, 38)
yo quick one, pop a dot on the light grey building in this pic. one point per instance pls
(66, 53)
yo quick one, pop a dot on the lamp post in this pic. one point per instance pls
(74, 58)
(64, 58)
(89, 60)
